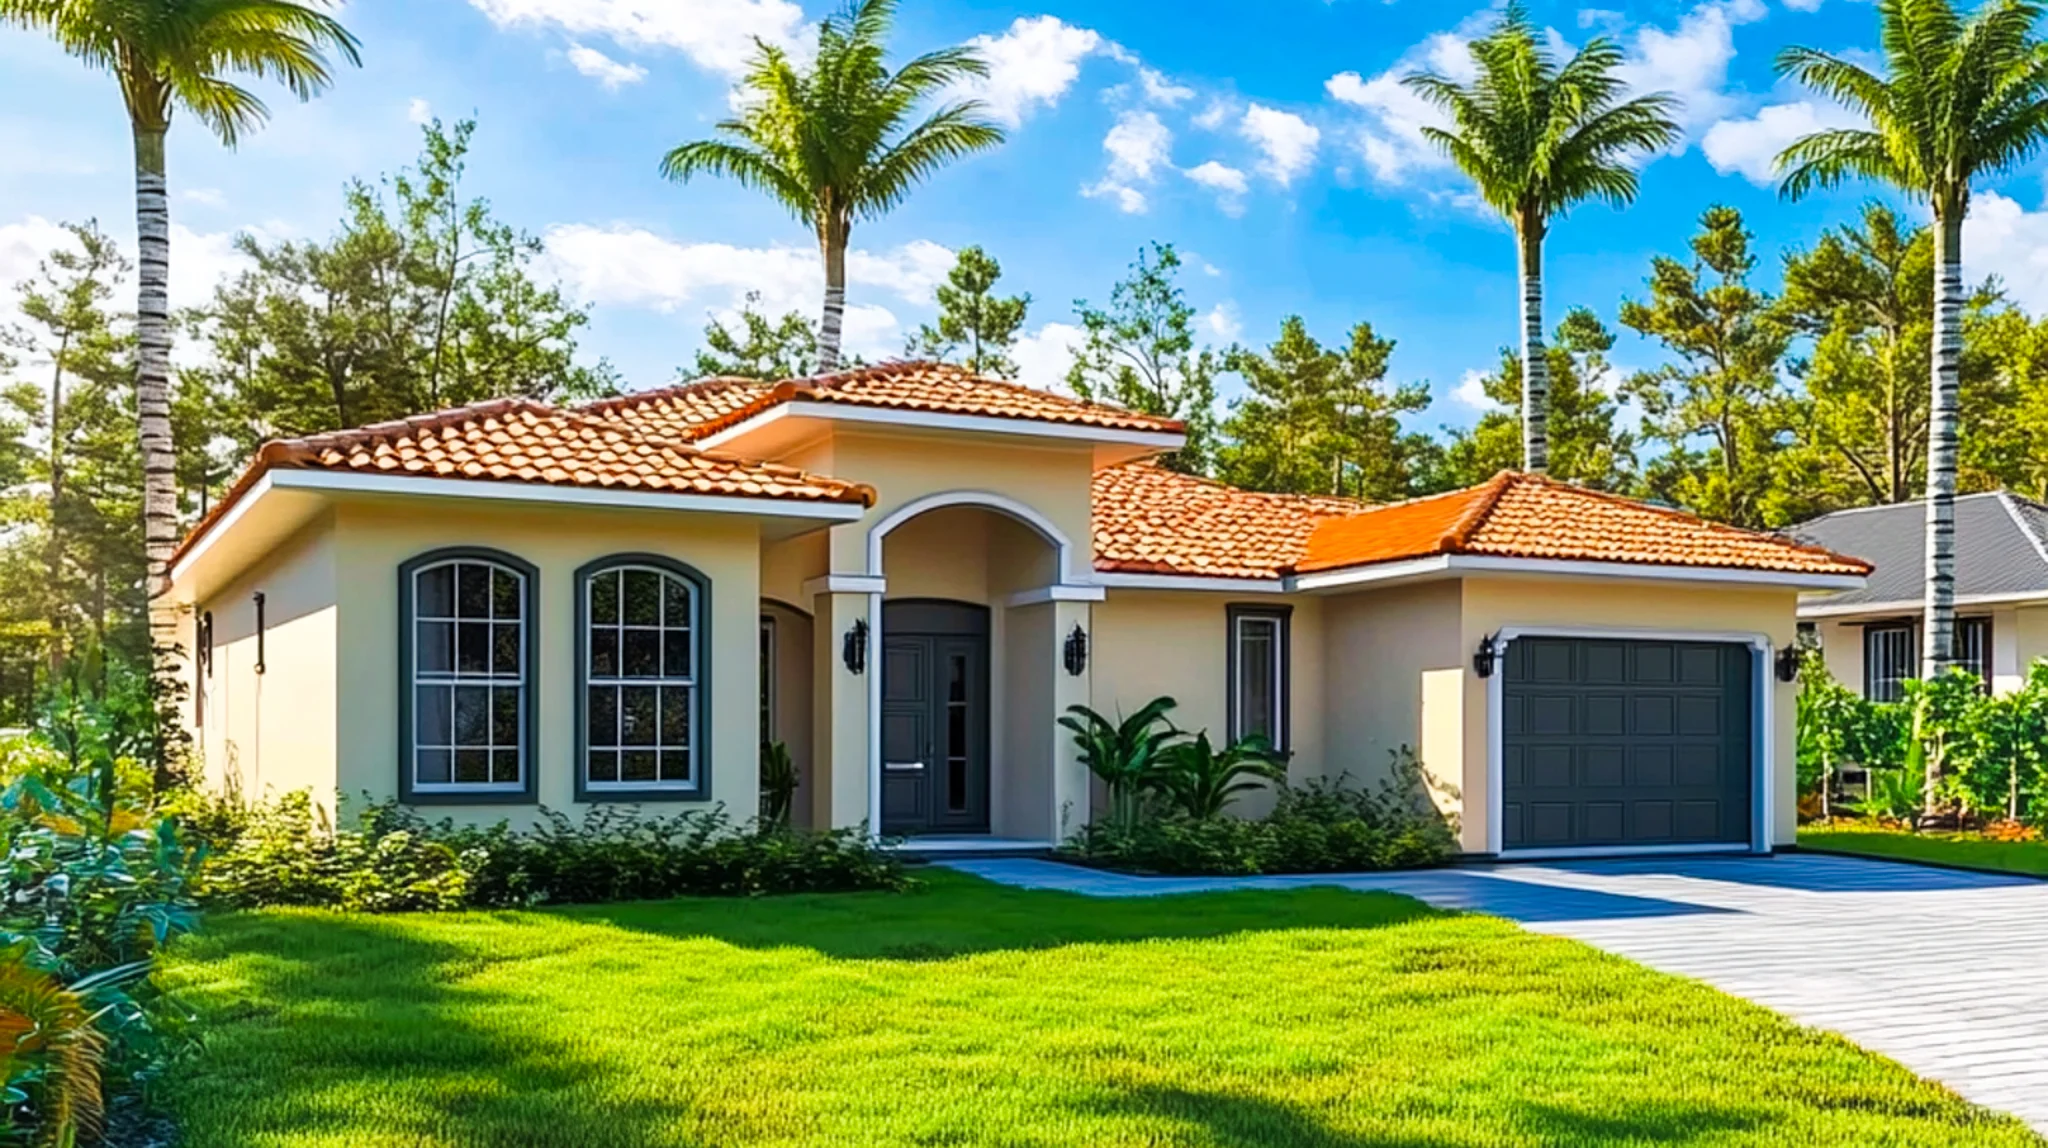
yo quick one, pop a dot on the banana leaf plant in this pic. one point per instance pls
(1125, 753)
(779, 783)
(1202, 781)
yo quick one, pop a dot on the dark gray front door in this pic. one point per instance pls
(1625, 743)
(935, 770)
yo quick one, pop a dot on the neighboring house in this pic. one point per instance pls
(1871, 636)
(508, 606)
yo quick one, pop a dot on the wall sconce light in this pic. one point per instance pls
(1076, 652)
(854, 651)
(259, 631)
(1789, 660)
(1487, 656)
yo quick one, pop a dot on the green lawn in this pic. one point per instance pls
(971, 1014)
(1964, 849)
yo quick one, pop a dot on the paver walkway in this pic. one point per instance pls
(1945, 972)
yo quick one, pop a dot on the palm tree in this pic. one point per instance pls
(1538, 139)
(1960, 98)
(171, 54)
(827, 139)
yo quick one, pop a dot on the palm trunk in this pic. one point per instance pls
(153, 407)
(834, 244)
(1938, 626)
(1535, 365)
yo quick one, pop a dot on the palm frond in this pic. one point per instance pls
(749, 168)
(227, 109)
(1826, 159)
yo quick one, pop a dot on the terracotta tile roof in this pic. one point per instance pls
(1151, 520)
(692, 411)
(518, 440)
(1528, 516)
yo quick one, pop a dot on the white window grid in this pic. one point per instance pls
(456, 679)
(618, 682)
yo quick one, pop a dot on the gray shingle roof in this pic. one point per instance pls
(2001, 548)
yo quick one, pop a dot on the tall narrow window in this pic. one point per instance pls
(469, 676)
(767, 679)
(1258, 674)
(642, 674)
(1973, 648)
(1891, 657)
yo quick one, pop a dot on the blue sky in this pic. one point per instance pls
(1268, 140)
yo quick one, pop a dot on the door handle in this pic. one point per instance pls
(903, 766)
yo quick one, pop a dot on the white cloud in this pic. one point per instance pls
(419, 112)
(1804, 5)
(1751, 146)
(632, 267)
(602, 68)
(1471, 391)
(1212, 117)
(1138, 145)
(1162, 91)
(1391, 140)
(2004, 239)
(1044, 356)
(714, 34)
(204, 196)
(1288, 141)
(1691, 61)
(1228, 183)
(1030, 66)
(1224, 322)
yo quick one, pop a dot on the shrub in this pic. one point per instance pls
(1199, 782)
(286, 853)
(1125, 753)
(1319, 827)
(96, 883)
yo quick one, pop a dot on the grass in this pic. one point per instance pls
(970, 1014)
(1966, 850)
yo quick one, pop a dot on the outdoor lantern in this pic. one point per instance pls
(1788, 663)
(1486, 656)
(1077, 651)
(855, 651)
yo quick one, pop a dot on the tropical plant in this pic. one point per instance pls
(1839, 727)
(166, 55)
(1891, 793)
(50, 1054)
(828, 139)
(1940, 709)
(778, 784)
(2004, 754)
(1538, 138)
(1200, 781)
(1126, 753)
(1954, 98)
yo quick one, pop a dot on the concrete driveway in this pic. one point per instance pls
(1945, 972)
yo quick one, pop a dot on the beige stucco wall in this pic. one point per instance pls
(373, 538)
(267, 734)
(1174, 643)
(1395, 677)
(1489, 604)
(2030, 631)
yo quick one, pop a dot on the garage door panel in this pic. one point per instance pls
(1607, 742)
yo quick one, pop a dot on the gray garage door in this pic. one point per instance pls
(1624, 743)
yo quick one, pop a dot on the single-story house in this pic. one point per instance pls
(907, 573)
(1870, 635)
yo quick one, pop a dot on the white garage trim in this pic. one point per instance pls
(1762, 739)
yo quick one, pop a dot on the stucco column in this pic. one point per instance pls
(839, 715)
(1070, 778)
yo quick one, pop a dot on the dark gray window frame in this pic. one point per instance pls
(1913, 628)
(529, 680)
(700, 720)
(1283, 616)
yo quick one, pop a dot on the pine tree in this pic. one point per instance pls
(974, 322)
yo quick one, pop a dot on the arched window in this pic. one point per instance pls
(642, 621)
(468, 653)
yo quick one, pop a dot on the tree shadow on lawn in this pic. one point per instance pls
(1235, 1120)
(329, 1027)
(953, 915)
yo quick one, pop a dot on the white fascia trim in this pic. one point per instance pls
(503, 491)
(1566, 568)
(225, 523)
(1820, 608)
(1116, 581)
(845, 584)
(1061, 593)
(931, 420)
(1383, 572)
(1763, 733)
